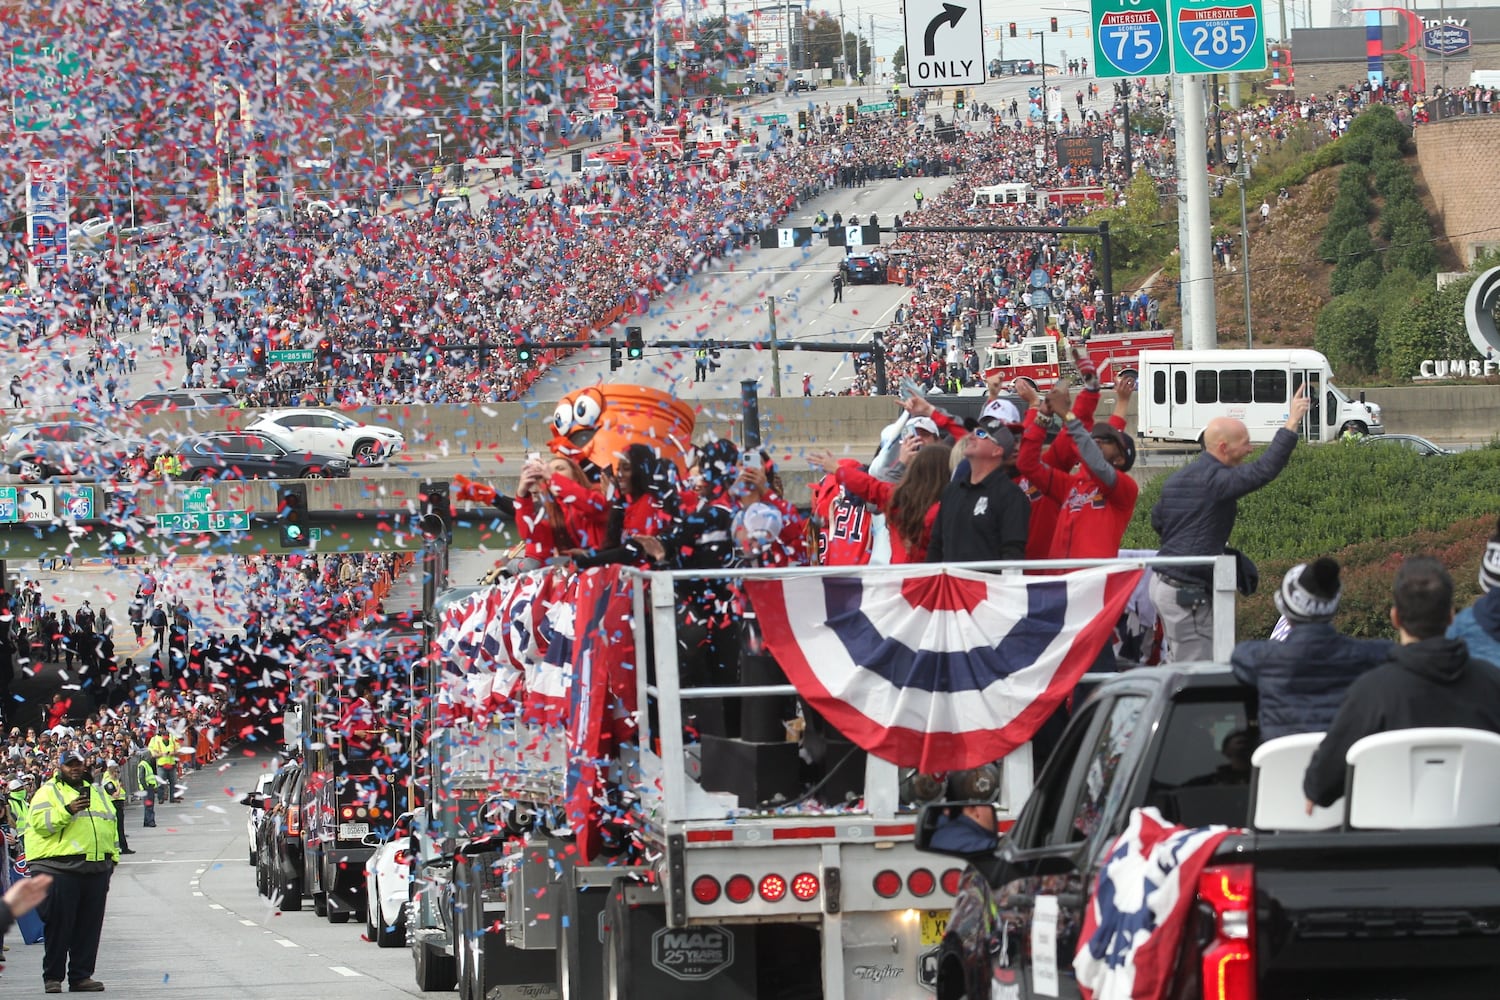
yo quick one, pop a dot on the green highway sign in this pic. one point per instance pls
(197, 522)
(10, 506)
(291, 357)
(198, 499)
(1217, 36)
(875, 109)
(771, 119)
(48, 97)
(1130, 38)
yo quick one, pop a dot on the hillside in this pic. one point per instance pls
(1289, 284)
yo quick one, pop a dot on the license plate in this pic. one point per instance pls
(934, 926)
(353, 831)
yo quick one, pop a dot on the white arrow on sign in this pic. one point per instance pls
(944, 43)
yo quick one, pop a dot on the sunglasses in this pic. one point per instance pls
(981, 432)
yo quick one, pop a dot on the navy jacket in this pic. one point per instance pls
(1429, 683)
(1198, 504)
(1302, 679)
(962, 835)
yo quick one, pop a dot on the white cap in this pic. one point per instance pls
(1001, 409)
(923, 424)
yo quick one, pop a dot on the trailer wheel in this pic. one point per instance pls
(617, 972)
(435, 971)
(320, 904)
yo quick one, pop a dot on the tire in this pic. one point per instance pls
(435, 971)
(393, 936)
(29, 470)
(370, 929)
(464, 974)
(320, 904)
(291, 898)
(366, 452)
(336, 916)
(204, 475)
(315, 472)
(617, 979)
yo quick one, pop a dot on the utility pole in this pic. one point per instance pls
(1243, 170)
(775, 351)
(843, 43)
(1197, 265)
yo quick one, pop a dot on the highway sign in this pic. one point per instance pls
(875, 109)
(10, 511)
(603, 102)
(50, 82)
(944, 43)
(35, 503)
(76, 502)
(784, 239)
(771, 119)
(291, 357)
(1214, 36)
(198, 522)
(198, 499)
(1130, 38)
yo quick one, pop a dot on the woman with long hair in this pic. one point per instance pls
(909, 506)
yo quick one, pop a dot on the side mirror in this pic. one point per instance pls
(371, 840)
(254, 800)
(958, 829)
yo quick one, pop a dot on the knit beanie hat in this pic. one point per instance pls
(1310, 593)
(1489, 565)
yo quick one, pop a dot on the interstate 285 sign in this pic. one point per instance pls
(1135, 38)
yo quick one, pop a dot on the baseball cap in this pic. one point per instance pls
(1109, 432)
(16, 784)
(1003, 410)
(68, 756)
(924, 424)
(994, 429)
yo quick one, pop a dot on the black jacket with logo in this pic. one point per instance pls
(980, 522)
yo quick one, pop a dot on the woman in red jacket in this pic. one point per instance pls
(910, 505)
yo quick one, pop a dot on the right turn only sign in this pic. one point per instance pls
(944, 43)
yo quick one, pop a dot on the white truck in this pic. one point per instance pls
(738, 867)
(1181, 391)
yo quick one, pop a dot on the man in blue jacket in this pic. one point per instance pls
(1303, 678)
(1195, 515)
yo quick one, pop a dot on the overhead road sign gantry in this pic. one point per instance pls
(944, 43)
(1130, 38)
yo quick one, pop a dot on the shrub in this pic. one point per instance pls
(1351, 273)
(1429, 325)
(1346, 333)
(1411, 248)
(1351, 210)
(1400, 214)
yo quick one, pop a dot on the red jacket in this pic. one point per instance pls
(585, 511)
(1091, 517)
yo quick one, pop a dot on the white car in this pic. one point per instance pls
(257, 816)
(388, 886)
(92, 229)
(329, 432)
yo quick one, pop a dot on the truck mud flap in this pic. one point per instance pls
(580, 931)
(643, 957)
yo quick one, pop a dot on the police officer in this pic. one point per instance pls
(164, 746)
(71, 835)
(146, 778)
(115, 789)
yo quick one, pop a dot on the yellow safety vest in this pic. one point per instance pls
(53, 832)
(147, 773)
(165, 750)
(113, 786)
(18, 810)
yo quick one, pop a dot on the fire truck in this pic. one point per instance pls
(1040, 360)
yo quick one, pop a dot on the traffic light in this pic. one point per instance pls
(291, 514)
(523, 353)
(903, 107)
(849, 113)
(325, 352)
(958, 100)
(635, 346)
(625, 132)
(435, 517)
(1054, 23)
(614, 355)
(735, 126)
(802, 121)
(1013, 29)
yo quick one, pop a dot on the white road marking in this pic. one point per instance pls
(249, 923)
(215, 906)
(197, 894)
(287, 944)
(341, 970)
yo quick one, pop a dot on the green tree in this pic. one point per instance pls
(1430, 326)
(1411, 248)
(1351, 210)
(1346, 334)
(1351, 273)
(898, 61)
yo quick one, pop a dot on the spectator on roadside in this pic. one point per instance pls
(1430, 680)
(1195, 516)
(1303, 678)
(985, 516)
(1478, 625)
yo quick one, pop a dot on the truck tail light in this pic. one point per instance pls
(921, 882)
(950, 881)
(887, 884)
(294, 821)
(706, 889)
(739, 888)
(348, 812)
(805, 886)
(773, 888)
(1228, 965)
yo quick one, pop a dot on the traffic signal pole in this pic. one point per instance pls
(775, 351)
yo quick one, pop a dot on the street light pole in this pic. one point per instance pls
(439, 137)
(130, 157)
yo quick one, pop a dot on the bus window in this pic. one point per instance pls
(1179, 388)
(1234, 385)
(1206, 387)
(1159, 387)
(1270, 386)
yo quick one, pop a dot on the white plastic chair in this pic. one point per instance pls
(1424, 779)
(1277, 802)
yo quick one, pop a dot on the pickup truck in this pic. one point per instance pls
(1337, 914)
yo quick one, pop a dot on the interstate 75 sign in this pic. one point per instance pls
(1130, 38)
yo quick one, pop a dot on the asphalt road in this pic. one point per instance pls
(184, 918)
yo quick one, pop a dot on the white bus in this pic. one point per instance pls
(1001, 195)
(1181, 391)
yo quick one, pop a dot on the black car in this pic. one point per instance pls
(253, 455)
(278, 864)
(863, 269)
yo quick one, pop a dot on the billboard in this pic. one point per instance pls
(47, 213)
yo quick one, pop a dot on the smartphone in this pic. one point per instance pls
(533, 456)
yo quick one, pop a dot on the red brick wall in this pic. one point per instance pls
(1462, 169)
